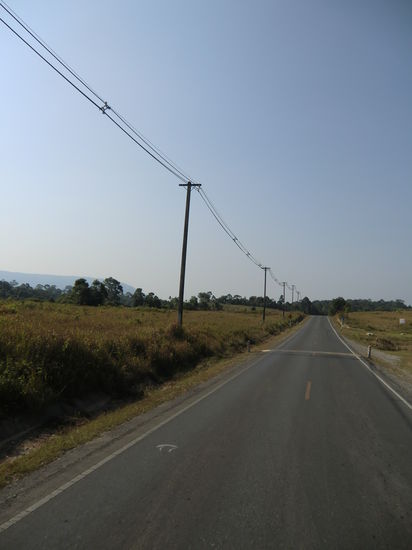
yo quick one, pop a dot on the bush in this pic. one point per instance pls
(386, 344)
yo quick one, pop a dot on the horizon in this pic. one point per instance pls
(146, 290)
(295, 117)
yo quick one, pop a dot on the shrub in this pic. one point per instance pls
(386, 344)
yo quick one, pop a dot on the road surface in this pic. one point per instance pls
(304, 448)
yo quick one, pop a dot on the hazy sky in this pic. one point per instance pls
(296, 116)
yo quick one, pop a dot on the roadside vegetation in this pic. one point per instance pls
(109, 291)
(331, 307)
(51, 352)
(382, 330)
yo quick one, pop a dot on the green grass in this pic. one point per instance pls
(381, 330)
(51, 352)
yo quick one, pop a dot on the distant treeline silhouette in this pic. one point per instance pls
(110, 292)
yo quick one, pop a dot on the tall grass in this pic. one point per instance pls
(50, 352)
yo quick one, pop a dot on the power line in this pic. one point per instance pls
(105, 107)
(226, 228)
(32, 33)
(275, 279)
(151, 149)
(147, 151)
(50, 64)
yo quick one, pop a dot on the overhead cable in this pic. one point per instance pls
(105, 107)
(226, 228)
(136, 136)
(34, 35)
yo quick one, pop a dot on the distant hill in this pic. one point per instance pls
(60, 281)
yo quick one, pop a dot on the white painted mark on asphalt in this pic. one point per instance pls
(266, 350)
(166, 446)
(404, 401)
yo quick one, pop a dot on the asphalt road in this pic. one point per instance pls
(304, 449)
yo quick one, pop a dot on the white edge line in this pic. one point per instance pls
(15, 519)
(404, 401)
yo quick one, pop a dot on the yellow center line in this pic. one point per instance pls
(307, 393)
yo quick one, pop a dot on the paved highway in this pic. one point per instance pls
(305, 448)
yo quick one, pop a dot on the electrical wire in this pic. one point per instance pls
(64, 64)
(147, 151)
(154, 151)
(275, 279)
(34, 35)
(103, 109)
(50, 64)
(226, 228)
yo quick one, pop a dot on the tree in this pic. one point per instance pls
(114, 290)
(337, 305)
(204, 299)
(152, 300)
(138, 297)
(81, 292)
(193, 303)
(173, 302)
(6, 289)
(98, 293)
(306, 305)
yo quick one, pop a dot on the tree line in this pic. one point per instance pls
(331, 307)
(110, 292)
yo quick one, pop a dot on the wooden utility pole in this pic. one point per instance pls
(264, 296)
(188, 186)
(284, 298)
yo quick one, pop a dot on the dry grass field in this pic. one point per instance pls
(382, 330)
(50, 352)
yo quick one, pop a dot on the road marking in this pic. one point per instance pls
(21, 515)
(312, 352)
(167, 446)
(404, 401)
(307, 393)
(266, 350)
